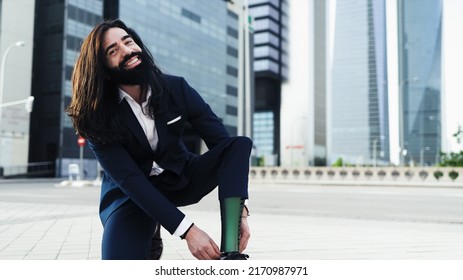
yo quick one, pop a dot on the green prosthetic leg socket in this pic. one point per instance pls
(230, 211)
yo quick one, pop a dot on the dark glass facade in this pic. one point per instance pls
(60, 27)
(269, 24)
(420, 37)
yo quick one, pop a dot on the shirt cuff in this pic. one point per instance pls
(182, 227)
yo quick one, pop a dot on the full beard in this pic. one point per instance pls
(134, 76)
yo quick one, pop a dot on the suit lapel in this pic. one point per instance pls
(134, 125)
(161, 127)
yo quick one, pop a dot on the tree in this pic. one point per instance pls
(337, 163)
(453, 159)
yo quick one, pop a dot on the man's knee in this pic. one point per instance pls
(243, 142)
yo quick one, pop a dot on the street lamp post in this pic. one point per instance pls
(422, 155)
(403, 153)
(2, 73)
(29, 102)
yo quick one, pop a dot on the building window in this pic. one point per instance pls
(263, 124)
(266, 38)
(266, 65)
(266, 24)
(69, 70)
(266, 51)
(232, 14)
(233, 130)
(73, 43)
(232, 51)
(233, 91)
(264, 11)
(82, 16)
(232, 110)
(275, 3)
(232, 71)
(232, 32)
(191, 15)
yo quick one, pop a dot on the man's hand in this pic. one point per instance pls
(201, 245)
(245, 233)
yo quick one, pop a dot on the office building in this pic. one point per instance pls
(270, 36)
(60, 27)
(419, 38)
(16, 46)
(358, 114)
(303, 106)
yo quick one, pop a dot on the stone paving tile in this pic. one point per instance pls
(36, 231)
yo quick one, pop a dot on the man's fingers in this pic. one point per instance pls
(243, 242)
(245, 235)
(210, 252)
(215, 247)
(201, 245)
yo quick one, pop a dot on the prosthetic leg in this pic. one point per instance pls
(231, 210)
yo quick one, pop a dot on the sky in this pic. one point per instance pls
(452, 76)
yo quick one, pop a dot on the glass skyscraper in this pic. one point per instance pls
(270, 25)
(359, 102)
(420, 35)
(60, 27)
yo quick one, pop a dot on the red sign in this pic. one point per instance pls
(295, 147)
(81, 141)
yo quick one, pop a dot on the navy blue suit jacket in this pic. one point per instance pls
(127, 165)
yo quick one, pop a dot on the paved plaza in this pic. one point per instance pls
(50, 225)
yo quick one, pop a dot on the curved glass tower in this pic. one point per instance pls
(420, 25)
(359, 102)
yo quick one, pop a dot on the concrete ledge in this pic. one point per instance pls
(29, 180)
(385, 176)
(365, 183)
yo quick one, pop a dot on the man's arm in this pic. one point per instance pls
(204, 121)
(120, 166)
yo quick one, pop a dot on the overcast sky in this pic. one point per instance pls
(452, 79)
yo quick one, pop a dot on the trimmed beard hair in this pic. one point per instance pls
(135, 76)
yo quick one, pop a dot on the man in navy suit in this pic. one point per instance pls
(133, 117)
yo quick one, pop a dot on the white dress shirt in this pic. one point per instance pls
(149, 127)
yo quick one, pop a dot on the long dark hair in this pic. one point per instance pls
(94, 96)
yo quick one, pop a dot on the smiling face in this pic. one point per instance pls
(123, 57)
(118, 46)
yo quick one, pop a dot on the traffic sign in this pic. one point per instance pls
(81, 141)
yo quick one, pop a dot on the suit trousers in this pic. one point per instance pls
(128, 230)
